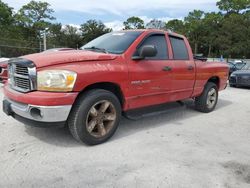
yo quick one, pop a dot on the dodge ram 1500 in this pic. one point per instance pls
(89, 89)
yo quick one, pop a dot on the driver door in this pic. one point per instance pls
(150, 78)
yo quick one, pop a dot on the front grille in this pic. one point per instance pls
(22, 75)
(21, 78)
(22, 83)
(21, 70)
(244, 80)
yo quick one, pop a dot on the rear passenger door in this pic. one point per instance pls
(183, 70)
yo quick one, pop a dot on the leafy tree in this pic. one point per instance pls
(71, 37)
(212, 23)
(55, 36)
(5, 14)
(93, 29)
(215, 33)
(194, 26)
(35, 14)
(33, 18)
(235, 6)
(234, 36)
(176, 26)
(156, 24)
(134, 23)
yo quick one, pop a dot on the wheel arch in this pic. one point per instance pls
(109, 86)
(215, 80)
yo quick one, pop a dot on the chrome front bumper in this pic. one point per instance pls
(46, 114)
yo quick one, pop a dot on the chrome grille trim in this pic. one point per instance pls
(22, 75)
(21, 70)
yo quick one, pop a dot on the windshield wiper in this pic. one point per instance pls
(96, 48)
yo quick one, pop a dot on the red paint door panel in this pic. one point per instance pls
(150, 79)
(183, 79)
(149, 84)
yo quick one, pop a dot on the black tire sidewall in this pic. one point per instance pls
(85, 104)
(209, 87)
(201, 101)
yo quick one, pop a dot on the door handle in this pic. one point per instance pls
(167, 68)
(190, 67)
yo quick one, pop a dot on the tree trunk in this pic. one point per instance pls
(195, 48)
(209, 50)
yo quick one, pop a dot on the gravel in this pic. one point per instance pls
(180, 148)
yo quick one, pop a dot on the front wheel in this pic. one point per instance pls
(95, 117)
(208, 99)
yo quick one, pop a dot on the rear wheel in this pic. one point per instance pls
(208, 99)
(95, 117)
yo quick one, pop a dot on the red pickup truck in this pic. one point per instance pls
(89, 89)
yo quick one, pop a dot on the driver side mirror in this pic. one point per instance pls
(146, 51)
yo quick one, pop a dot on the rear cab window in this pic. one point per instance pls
(180, 51)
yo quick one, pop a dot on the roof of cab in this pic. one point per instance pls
(169, 32)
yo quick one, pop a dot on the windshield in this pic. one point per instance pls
(115, 42)
(231, 65)
(240, 65)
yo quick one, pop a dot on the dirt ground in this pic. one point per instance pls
(180, 148)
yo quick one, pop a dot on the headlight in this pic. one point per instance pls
(233, 74)
(56, 80)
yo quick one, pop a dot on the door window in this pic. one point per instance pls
(180, 51)
(159, 41)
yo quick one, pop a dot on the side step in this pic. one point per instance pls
(139, 113)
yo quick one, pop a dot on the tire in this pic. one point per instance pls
(202, 104)
(88, 120)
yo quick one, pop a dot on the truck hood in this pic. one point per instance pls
(61, 57)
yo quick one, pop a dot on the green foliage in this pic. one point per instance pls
(234, 36)
(233, 5)
(194, 26)
(71, 37)
(176, 26)
(155, 24)
(224, 33)
(35, 14)
(93, 29)
(134, 23)
(6, 17)
(211, 23)
(215, 34)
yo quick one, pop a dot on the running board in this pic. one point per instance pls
(152, 110)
